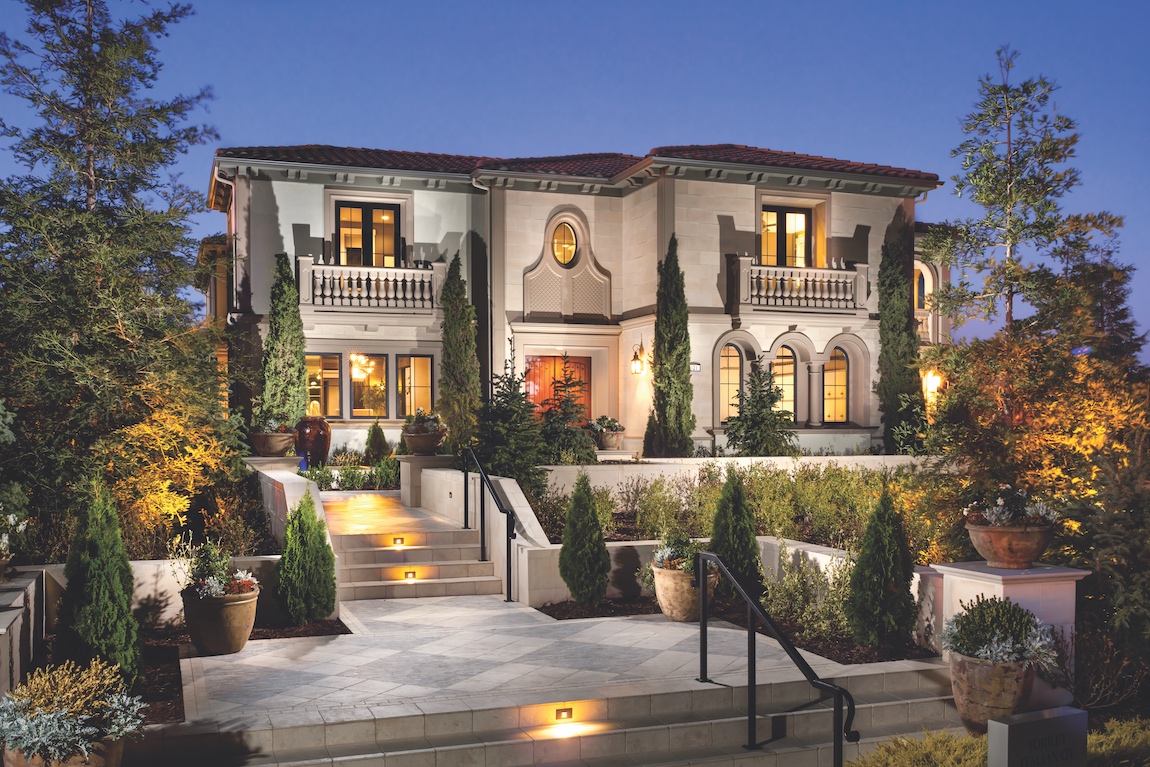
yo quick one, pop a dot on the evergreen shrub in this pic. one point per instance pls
(761, 428)
(565, 440)
(283, 366)
(385, 474)
(377, 447)
(95, 618)
(510, 444)
(880, 607)
(306, 571)
(733, 536)
(584, 562)
(672, 420)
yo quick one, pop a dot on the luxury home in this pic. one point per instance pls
(780, 254)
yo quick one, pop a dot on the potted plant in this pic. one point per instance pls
(424, 433)
(273, 439)
(1012, 531)
(672, 574)
(66, 715)
(995, 646)
(607, 433)
(219, 605)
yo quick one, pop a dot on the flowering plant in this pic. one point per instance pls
(1011, 506)
(10, 526)
(603, 423)
(423, 423)
(207, 571)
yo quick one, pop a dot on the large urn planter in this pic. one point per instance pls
(102, 753)
(220, 625)
(1010, 547)
(425, 443)
(273, 444)
(610, 440)
(984, 690)
(313, 439)
(677, 598)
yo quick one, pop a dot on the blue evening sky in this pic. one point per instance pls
(882, 82)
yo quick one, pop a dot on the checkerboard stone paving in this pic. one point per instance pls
(458, 647)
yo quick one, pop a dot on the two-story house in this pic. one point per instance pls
(779, 251)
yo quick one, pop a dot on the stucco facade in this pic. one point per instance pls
(561, 256)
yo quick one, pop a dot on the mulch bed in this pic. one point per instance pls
(735, 611)
(160, 683)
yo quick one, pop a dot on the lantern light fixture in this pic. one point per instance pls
(637, 359)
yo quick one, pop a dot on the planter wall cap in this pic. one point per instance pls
(979, 571)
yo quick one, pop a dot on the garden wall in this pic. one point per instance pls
(21, 626)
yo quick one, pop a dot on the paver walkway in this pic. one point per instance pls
(460, 648)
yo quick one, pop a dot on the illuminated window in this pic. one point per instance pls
(323, 385)
(835, 388)
(783, 366)
(786, 237)
(413, 377)
(730, 381)
(368, 385)
(563, 243)
(919, 289)
(368, 233)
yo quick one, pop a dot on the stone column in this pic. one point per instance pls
(815, 394)
(411, 475)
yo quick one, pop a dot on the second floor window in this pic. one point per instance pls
(368, 233)
(786, 237)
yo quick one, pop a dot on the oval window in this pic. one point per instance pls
(563, 243)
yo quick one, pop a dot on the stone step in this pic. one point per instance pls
(701, 724)
(449, 570)
(387, 555)
(428, 587)
(405, 538)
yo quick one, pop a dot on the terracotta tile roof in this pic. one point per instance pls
(600, 165)
(353, 157)
(737, 154)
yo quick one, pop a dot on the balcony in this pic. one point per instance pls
(810, 289)
(369, 289)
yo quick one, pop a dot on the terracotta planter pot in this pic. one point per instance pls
(273, 445)
(425, 443)
(313, 439)
(220, 625)
(102, 753)
(985, 690)
(1010, 547)
(677, 598)
(610, 440)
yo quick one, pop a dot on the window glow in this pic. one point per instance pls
(563, 243)
(323, 388)
(730, 381)
(786, 237)
(413, 377)
(835, 388)
(368, 234)
(783, 366)
(368, 385)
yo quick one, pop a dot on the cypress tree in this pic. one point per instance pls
(283, 367)
(95, 619)
(306, 571)
(459, 395)
(880, 608)
(899, 388)
(733, 535)
(672, 420)
(584, 561)
(510, 443)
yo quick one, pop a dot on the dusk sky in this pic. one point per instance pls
(881, 82)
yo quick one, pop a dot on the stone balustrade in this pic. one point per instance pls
(786, 287)
(368, 287)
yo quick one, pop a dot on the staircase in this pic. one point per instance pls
(423, 563)
(664, 723)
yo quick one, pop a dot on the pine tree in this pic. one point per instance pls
(672, 420)
(899, 389)
(95, 618)
(564, 439)
(880, 608)
(283, 367)
(584, 562)
(761, 428)
(459, 395)
(733, 535)
(376, 447)
(510, 444)
(306, 571)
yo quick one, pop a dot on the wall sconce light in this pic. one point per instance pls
(637, 358)
(562, 713)
(409, 575)
(696, 367)
(396, 541)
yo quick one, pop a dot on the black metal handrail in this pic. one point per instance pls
(486, 481)
(756, 612)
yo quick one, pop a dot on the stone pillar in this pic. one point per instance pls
(411, 475)
(814, 394)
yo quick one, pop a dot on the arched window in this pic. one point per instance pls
(783, 366)
(835, 388)
(919, 289)
(730, 381)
